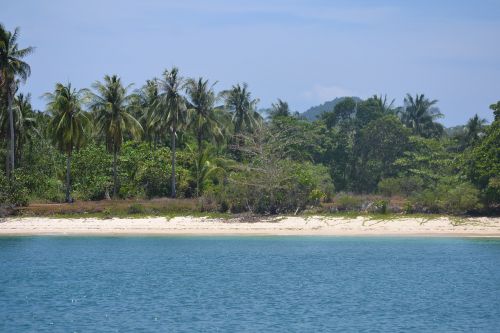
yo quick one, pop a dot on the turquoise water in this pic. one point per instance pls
(248, 284)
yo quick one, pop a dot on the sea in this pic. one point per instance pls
(249, 284)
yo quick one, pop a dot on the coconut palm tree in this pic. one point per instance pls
(205, 166)
(25, 124)
(12, 67)
(279, 109)
(474, 129)
(171, 111)
(143, 107)
(203, 117)
(111, 106)
(419, 114)
(69, 125)
(239, 103)
(384, 105)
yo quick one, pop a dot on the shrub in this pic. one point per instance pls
(13, 191)
(347, 202)
(91, 169)
(448, 196)
(380, 206)
(400, 186)
(284, 186)
(136, 209)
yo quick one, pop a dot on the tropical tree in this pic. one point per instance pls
(143, 106)
(342, 114)
(280, 109)
(474, 130)
(419, 114)
(171, 111)
(496, 110)
(25, 123)
(239, 102)
(384, 105)
(111, 106)
(69, 124)
(201, 103)
(12, 67)
(205, 166)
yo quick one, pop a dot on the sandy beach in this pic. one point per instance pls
(314, 225)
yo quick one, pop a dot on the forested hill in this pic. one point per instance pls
(314, 112)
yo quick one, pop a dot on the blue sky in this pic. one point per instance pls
(305, 52)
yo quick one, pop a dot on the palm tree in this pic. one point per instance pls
(240, 104)
(110, 104)
(279, 109)
(143, 106)
(11, 67)
(201, 102)
(171, 111)
(384, 105)
(24, 122)
(474, 129)
(69, 125)
(420, 114)
(205, 166)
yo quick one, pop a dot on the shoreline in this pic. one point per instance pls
(276, 226)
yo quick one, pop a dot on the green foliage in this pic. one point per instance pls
(283, 187)
(382, 142)
(449, 196)
(405, 186)
(341, 114)
(13, 191)
(136, 209)
(380, 206)
(482, 164)
(347, 202)
(91, 170)
(230, 156)
(426, 159)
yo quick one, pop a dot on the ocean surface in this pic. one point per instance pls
(249, 284)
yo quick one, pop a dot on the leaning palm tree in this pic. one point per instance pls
(12, 67)
(240, 104)
(419, 114)
(69, 125)
(203, 119)
(110, 104)
(171, 111)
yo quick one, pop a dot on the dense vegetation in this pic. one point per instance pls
(178, 137)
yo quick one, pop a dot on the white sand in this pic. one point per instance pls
(315, 225)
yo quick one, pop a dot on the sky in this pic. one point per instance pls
(304, 52)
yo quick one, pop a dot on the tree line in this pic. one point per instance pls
(177, 136)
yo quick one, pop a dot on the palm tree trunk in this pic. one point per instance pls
(68, 178)
(11, 130)
(115, 176)
(173, 164)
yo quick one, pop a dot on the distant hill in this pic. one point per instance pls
(314, 112)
